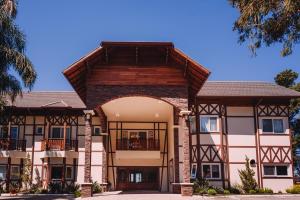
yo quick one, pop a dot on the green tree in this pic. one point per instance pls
(287, 78)
(268, 22)
(12, 56)
(247, 177)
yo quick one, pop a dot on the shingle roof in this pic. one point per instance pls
(71, 99)
(48, 99)
(245, 89)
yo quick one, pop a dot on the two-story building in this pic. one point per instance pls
(144, 117)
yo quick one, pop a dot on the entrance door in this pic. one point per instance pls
(137, 178)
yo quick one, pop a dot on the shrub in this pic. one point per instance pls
(201, 191)
(226, 192)
(70, 188)
(35, 189)
(14, 187)
(218, 190)
(44, 191)
(201, 186)
(55, 187)
(247, 177)
(252, 191)
(96, 187)
(264, 191)
(294, 190)
(77, 193)
(211, 192)
(268, 191)
(235, 189)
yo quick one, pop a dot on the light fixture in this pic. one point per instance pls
(156, 115)
(117, 114)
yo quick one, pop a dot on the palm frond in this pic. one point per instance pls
(10, 7)
(21, 64)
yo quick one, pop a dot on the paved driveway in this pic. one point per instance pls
(156, 196)
(160, 196)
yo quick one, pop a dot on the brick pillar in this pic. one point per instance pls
(186, 186)
(86, 187)
(103, 120)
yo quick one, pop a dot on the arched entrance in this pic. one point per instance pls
(138, 143)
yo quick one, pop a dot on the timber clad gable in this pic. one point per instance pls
(143, 116)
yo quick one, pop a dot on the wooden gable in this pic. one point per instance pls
(136, 63)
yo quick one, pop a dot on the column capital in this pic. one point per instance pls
(88, 113)
(183, 113)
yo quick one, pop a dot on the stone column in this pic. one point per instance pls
(186, 185)
(86, 187)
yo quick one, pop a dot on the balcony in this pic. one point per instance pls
(12, 148)
(59, 148)
(12, 144)
(143, 149)
(138, 144)
(59, 145)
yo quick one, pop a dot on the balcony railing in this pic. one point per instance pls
(12, 144)
(59, 144)
(138, 144)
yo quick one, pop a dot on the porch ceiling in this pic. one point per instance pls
(138, 109)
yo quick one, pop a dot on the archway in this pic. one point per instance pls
(139, 145)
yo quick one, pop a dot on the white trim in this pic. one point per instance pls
(62, 133)
(194, 175)
(69, 178)
(100, 130)
(36, 130)
(275, 170)
(209, 116)
(210, 164)
(272, 118)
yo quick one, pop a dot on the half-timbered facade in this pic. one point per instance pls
(144, 117)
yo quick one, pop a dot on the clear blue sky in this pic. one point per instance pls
(59, 32)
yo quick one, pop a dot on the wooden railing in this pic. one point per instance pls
(12, 144)
(59, 144)
(138, 144)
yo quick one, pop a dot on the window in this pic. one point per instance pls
(208, 124)
(69, 172)
(58, 132)
(3, 131)
(97, 130)
(135, 177)
(15, 172)
(194, 171)
(2, 172)
(39, 130)
(56, 172)
(192, 124)
(211, 171)
(14, 132)
(272, 125)
(278, 125)
(275, 170)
